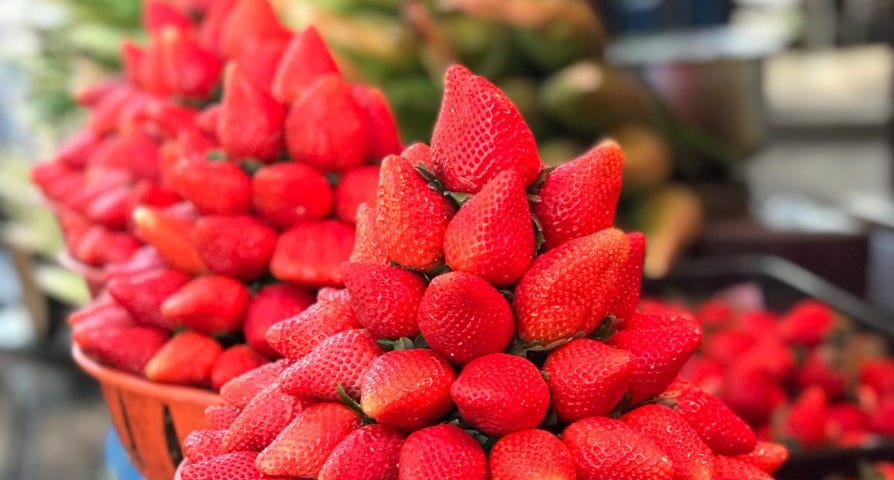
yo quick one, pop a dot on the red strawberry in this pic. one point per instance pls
(221, 417)
(340, 360)
(75, 151)
(766, 456)
(531, 455)
(143, 294)
(229, 194)
(250, 122)
(232, 466)
(259, 59)
(692, 459)
(846, 417)
(312, 253)
(190, 69)
(302, 448)
(233, 362)
(807, 323)
(579, 198)
(824, 367)
(207, 119)
(491, 235)
(186, 359)
(500, 393)
(367, 244)
(100, 246)
(104, 344)
(442, 452)
(261, 420)
(570, 289)
(384, 137)
(478, 134)
(239, 391)
(407, 389)
(716, 313)
(357, 186)
(726, 468)
(151, 194)
(202, 445)
(368, 453)
(209, 304)
(881, 419)
(714, 422)
(326, 128)
(878, 374)
(212, 23)
(631, 279)
(419, 154)
(170, 237)
(728, 346)
(607, 448)
(295, 337)
(306, 59)
(249, 19)
(287, 193)
(752, 392)
(134, 151)
(660, 344)
(111, 208)
(271, 305)
(587, 378)
(237, 246)
(385, 299)
(462, 317)
(410, 217)
(158, 14)
(807, 419)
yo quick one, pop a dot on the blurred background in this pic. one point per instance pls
(750, 126)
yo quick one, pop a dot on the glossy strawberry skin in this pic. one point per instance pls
(355, 187)
(442, 452)
(202, 445)
(170, 236)
(607, 448)
(261, 420)
(104, 344)
(221, 417)
(531, 455)
(726, 468)
(766, 456)
(385, 299)
(311, 254)
(371, 452)
(143, 294)
(237, 246)
(807, 418)
(187, 358)
(232, 362)
(295, 337)
(250, 123)
(367, 242)
(209, 304)
(305, 60)
(691, 457)
(288, 193)
(384, 136)
(269, 306)
(239, 391)
(238, 465)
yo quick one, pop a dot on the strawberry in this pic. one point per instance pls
(807, 419)
(692, 459)
(202, 445)
(158, 14)
(881, 419)
(325, 127)
(100, 246)
(419, 154)
(607, 448)
(569, 289)
(221, 417)
(301, 449)
(259, 60)
(297, 336)
(288, 193)
(586, 378)
(491, 235)
(442, 452)
(187, 358)
(846, 417)
(407, 389)
(210, 304)
(111, 208)
(478, 134)
(232, 466)
(239, 391)
(766, 456)
(410, 217)
(579, 198)
(229, 194)
(878, 374)
(271, 305)
(170, 237)
(143, 294)
(338, 361)
(807, 323)
(715, 423)
(210, 28)
(234, 361)
(500, 393)
(312, 253)
(245, 20)
(134, 151)
(727, 346)
(368, 453)
(752, 392)
(207, 119)
(104, 344)
(385, 299)
(237, 246)
(306, 59)
(531, 455)
(355, 187)
(190, 69)
(74, 152)
(462, 317)
(726, 468)
(261, 420)
(716, 313)
(660, 344)
(367, 244)
(824, 367)
(384, 137)
(250, 122)
(631, 279)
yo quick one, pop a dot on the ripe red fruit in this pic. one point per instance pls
(250, 122)
(726, 468)
(143, 294)
(607, 448)
(587, 378)
(419, 154)
(384, 138)
(233, 362)
(237, 246)
(570, 289)
(232, 466)
(229, 193)
(301, 449)
(189, 69)
(462, 317)
(692, 459)
(410, 217)
(202, 445)
(368, 453)
(442, 452)
(500, 393)
(306, 59)
(492, 235)
(99, 246)
(287, 193)
(326, 128)
(385, 299)
(111, 208)
(312, 253)
(579, 198)
(170, 237)
(478, 134)
(295, 337)
(367, 244)
(221, 417)
(407, 389)
(104, 344)
(245, 20)
(187, 358)
(631, 278)
(878, 374)
(807, 323)
(158, 14)
(261, 420)
(239, 391)
(209, 304)
(766, 456)
(103, 313)
(807, 419)
(357, 186)
(271, 305)
(531, 455)
(259, 60)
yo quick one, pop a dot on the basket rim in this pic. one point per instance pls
(133, 383)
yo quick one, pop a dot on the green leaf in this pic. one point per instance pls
(347, 400)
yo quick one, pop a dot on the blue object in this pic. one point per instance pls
(116, 459)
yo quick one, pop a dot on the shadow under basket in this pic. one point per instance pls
(152, 419)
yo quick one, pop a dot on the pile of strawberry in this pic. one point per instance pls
(805, 377)
(260, 188)
(488, 330)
